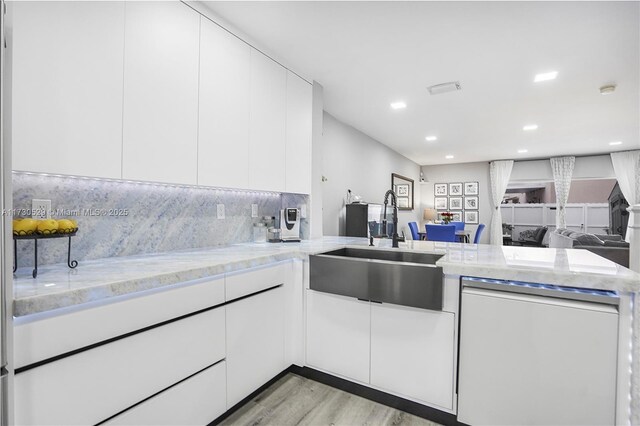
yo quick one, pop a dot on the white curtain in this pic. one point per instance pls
(626, 166)
(562, 168)
(500, 171)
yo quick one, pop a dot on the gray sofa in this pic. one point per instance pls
(611, 247)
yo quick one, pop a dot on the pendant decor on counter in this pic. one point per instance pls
(32, 229)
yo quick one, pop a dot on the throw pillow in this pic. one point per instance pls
(587, 239)
(539, 235)
(527, 235)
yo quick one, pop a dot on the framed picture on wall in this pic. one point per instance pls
(455, 203)
(403, 187)
(471, 217)
(455, 189)
(471, 203)
(440, 203)
(457, 217)
(403, 191)
(471, 188)
(440, 189)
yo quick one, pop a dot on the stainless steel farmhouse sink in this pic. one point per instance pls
(384, 276)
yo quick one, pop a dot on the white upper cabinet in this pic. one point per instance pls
(223, 132)
(67, 87)
(160, 120)
(153, 91)
(298, 150)
(267, 129)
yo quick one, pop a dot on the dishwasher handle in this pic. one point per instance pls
(530, 298)
(544, 290)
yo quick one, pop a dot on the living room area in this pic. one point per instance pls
(593, 199)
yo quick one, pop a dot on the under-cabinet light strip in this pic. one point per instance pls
(158, 184)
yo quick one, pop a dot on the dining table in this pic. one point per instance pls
(463, 236)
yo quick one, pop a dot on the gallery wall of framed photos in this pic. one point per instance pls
(459, 198)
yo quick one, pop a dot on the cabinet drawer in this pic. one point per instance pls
(93, 385)
(196, 401)
(48, 337)
(244, 283)
(255, 343)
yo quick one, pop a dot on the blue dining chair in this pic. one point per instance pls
(459, 225)
(441, 233)
(414, 231)
(476, 239)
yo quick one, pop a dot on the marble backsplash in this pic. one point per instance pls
(118, 218)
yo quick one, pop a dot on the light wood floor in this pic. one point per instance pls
(295, 400)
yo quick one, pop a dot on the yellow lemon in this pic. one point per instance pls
(74, 223)
(65, 225)
(48, 226)
(25, 226)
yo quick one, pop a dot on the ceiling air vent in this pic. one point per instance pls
(451, 86)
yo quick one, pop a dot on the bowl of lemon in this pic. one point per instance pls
(28, 226)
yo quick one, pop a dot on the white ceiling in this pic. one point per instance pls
(368, 54)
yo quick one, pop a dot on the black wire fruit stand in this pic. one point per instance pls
(22, 235)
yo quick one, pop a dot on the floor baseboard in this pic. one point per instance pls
(380, 397)
(393, 401)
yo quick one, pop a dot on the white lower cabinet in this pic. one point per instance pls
(338, 330)
(405, 351)
(196, 401)
(188, 371)
(93, 385)
(412, 353)
(255, 342)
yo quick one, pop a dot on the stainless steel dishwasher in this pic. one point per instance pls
(535, 354)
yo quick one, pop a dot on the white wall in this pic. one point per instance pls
(353, 160)
(593, 167)
(583, 191)
(465, 172)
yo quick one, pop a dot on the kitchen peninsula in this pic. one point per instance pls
(151, 308)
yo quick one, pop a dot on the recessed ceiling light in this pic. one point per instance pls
(448, 157)
(529, 127)
(545, 76)
(431, 138)
(608, 89)
(398, 105)
(523, 151)
(615, 143)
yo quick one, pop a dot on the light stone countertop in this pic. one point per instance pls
(57, 286)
